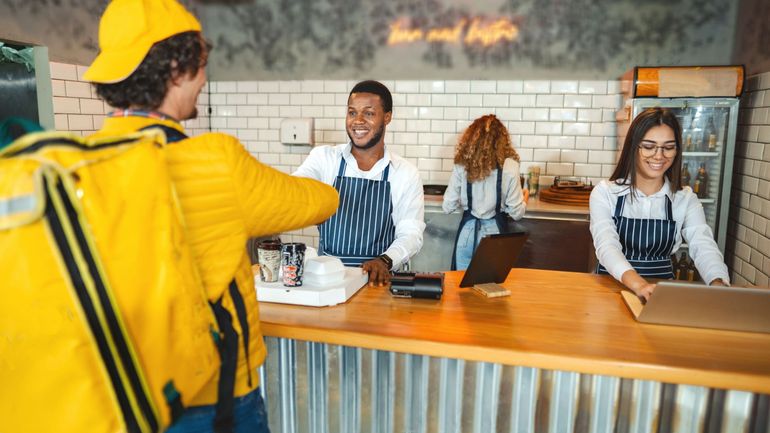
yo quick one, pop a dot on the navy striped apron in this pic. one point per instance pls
(500, 217)
(362, 228)
(647, 243)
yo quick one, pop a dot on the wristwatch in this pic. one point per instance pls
(388, 261)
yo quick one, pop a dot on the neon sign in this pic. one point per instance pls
(484, 32)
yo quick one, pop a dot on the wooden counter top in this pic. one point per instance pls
(535, 205)
(552, 320)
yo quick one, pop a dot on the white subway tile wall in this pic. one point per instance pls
(748, 243)
(564, 119)
(564, 127)
(75, 104)
(78, 109)
(560, 126)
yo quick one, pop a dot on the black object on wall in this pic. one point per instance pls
(18, 94)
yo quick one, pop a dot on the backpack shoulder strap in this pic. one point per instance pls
(172, 135)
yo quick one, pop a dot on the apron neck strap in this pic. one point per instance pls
(469, 194)
(499, 190)
(343, 165)
(619, 206)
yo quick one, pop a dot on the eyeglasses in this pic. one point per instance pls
(648, 150)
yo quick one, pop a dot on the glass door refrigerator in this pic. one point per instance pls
(705, 100)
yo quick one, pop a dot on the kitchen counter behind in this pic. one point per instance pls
(535, 207)
(549, 225)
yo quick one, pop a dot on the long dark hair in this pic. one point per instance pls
(646, 120)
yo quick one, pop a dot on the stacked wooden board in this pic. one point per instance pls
(574, 196)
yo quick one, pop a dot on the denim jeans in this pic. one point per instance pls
(465, 246)
(249, 413)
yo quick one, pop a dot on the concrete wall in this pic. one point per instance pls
(752, 40)
(345, 39)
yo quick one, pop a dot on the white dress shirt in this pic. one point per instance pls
(485, 192)
(323, 164)
(691, 227)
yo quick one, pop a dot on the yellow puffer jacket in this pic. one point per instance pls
(228, 196)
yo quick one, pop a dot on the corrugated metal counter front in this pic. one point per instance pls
(561, 354)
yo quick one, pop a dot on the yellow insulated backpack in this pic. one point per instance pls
(104, 323)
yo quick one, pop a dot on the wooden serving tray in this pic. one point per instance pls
(569, 196)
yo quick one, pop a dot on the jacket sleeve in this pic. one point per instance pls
(272, 201)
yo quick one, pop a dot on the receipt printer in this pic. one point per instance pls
(417, 285)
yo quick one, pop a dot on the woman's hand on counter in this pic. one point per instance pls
(639, 285)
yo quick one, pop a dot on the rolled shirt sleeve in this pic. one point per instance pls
(700, 241)
(452, 194)
(514, 201)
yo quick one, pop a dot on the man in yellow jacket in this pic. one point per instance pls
(152, 68)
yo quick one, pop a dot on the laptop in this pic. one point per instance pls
(704, 306)
(494, 258)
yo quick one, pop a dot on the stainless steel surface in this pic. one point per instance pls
(437, 239)
(315, 387)
(441, 229)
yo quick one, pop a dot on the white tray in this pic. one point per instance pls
(312, 296)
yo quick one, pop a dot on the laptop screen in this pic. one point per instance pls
(494, 258)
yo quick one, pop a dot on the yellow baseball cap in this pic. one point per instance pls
(127, 31)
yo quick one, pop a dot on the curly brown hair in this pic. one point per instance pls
(484, 146)
(146, 87)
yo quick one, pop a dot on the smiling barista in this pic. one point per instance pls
(379, 220)
(641, 215)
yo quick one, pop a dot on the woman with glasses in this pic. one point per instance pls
(642, 214)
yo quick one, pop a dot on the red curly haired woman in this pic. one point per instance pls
(485, 184)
